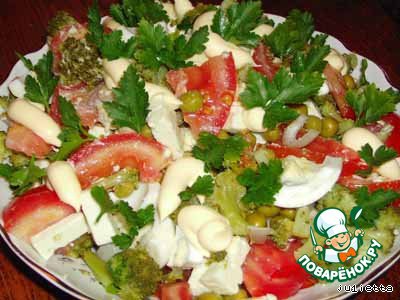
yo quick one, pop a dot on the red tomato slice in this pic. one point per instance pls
(393, 141)
(21, 139)
(264, 60)
(337, 87)
(217, 80)
(33, 212)
(354, 183)
(100, 158)
(269, 269)
(176, 291)
(319, 149)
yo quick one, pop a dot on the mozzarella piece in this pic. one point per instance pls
(39, 122)
(206, 229)
(163, 94)
(17, 87)
(253, 118)
(318, 181)
(114, 70)
(312, 109)
(216, 45)
(205, 19)
(59, 234)
(337, 61)
(182, 7)
(179, 175)
(65, 183)
(103, 230)
(263, 29)
(357, 137)
(170, 9)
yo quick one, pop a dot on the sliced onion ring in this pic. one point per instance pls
(289, 136)
(258, 235)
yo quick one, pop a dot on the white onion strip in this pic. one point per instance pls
(290, 134)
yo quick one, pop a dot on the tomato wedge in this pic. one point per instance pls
(22, 139)
(319, 149)
(337, 87)
(264, 60)
(100, 158)
(216, 79)
(393, 140)
(271, 270)
(176, 291)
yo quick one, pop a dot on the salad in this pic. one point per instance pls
(182, 152)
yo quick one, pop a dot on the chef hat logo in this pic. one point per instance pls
(330, 222)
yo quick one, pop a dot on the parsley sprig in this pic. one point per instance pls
(22, 179)
(134, 220)
(274, 96)
(40, 88)
(204, 185)
(214, 151)
(375, 159)
(372, 203)
(262, 184)
(130, 106)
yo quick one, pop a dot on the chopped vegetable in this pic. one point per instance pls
(130, 106)
(302, 222)
(262, 184)
(311, 61)
(214, 151)
(204, 185)
(59, 22)
(18, 160)
(78, 247)
(123, 182)
(274, 96)
(283, 231)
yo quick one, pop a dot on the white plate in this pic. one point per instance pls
(73, 276)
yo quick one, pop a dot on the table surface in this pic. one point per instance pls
(362, 25)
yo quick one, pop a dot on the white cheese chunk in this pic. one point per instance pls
(170, 9)
(114, 70)
(17, 87)
(337, 61)
(205, 19)
(103, 230)
(164, 95)
(182, 7)
(235, 123)
(59, 234)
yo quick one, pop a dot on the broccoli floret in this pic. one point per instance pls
(4, 152)
(226, 197)
(80, 63)
(59, 21)
(19, 160)
(338, 197)
(78, 247)
(302, 222)
(123, 182)
(135, 273)
(283, 230)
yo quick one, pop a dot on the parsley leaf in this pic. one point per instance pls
(204, 185)
(27, 62)
(155, 48)
(41, 88)
(22, 179)
(130, 106)
(381, 155)
(130, 12)
(214, 151)
(191, 16)
(291, 35)
(284, 89)
(103, 200)
(312, 61)
(95, 28)
(262, 184)
(372, 203)
(370, 103)
(236, 23)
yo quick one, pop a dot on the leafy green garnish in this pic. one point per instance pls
(110, 45)
(40, 88)
(204, 185)
(130, 12)
(263, 184)
(311, 61)
(381, 155)
(155, 48)
(372, 203)
(191, 16)
(236, 23)
(291, 35)
(363, 78)
(214, 151)
(370, 103)
(73, 134)
(134, 220)
(130, 106)
(22, 179)
(274, 96)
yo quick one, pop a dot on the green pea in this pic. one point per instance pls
(210, 296)
(314, 122)
(301, 109)
(329, 127)
(124, 189)
(268, 211)
(349, 81)
(146, 132)
(192, 101)
(272, 135)
(256, 219)
(288, 213)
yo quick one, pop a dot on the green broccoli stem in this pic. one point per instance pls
(100, 271)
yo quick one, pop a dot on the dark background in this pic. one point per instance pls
(368, 27)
